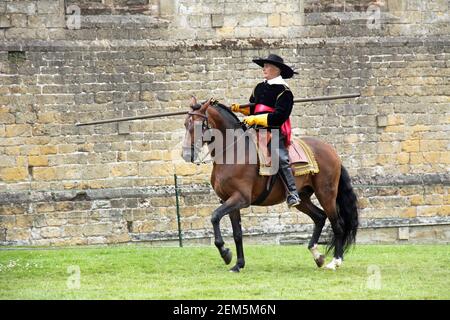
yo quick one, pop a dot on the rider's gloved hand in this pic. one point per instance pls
(260, 119)
(235, 107)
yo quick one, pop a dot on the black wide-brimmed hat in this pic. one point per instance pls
(286, 71)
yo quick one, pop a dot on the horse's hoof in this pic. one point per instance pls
(331, 266)
(235, 269)
(320, 261)
(334, 264)
(227, 256)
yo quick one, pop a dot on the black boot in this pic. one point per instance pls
(288, 180)
(287, 177)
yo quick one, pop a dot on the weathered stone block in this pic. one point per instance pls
(45, 174)
(24, 221)
(45, 150)
(382, 121)
(124, 170)
(96, 240)
(73, 231)
(101, 229)
(3, 234)
(56, 219)
(409, 213)
(26, 7)
(411, 145)
(39, 220)
(397, 5)
(6, 21)
(155, 169)
(48, 6)
(123, 128)
(217, 20)
(274, 20)
(50, 232)
(38, 161)
(403, 158)
(185, 169)
(77, 218)
(17, 235)
(13, 209)
(13, 174)
(167, 8)
(7, 161)
(95, 172)
(119, 238)
(7, 222)
(257, 20)
(17, 130)
(163, 202)
(438, 5)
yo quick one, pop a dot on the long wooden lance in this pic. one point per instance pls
(148, 116)
(169, 114)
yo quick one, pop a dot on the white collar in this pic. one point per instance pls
(277, 80)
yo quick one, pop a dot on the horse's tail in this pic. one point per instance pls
(347, 211)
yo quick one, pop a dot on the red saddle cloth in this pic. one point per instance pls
(301, 157)
(295, 149)
(296, 153)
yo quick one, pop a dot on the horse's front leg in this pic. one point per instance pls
(227, 207)
(235, 218)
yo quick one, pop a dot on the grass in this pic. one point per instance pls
(272, 272)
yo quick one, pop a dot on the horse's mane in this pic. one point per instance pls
(227, 114)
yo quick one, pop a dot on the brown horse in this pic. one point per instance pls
(239, 185)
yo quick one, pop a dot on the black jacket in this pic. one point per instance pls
(276, 96)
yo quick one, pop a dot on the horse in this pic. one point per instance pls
(238, 185)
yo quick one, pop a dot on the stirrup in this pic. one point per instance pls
(293, 200)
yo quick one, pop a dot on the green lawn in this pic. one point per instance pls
(272, 272)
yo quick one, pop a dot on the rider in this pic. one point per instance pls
(273, 102)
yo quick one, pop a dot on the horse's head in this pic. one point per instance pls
(196, 123)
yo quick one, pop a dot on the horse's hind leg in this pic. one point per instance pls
(235, 218)
(318, 216)
(328, 203)
(338, 232)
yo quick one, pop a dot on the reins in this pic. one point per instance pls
(205, 126)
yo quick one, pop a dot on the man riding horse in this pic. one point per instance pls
(240, 185)
(273, 105)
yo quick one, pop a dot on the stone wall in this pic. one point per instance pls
(228, 19)
(62, 184)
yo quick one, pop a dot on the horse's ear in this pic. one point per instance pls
(193, 101)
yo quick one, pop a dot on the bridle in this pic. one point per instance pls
(205, 124)
(194, 148)
(205, 127)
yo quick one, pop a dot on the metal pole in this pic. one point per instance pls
(180, 238)
(168, 114)
(341, 96)
(150, 116)
(320, 98)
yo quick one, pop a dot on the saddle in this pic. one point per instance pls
(301, 157)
